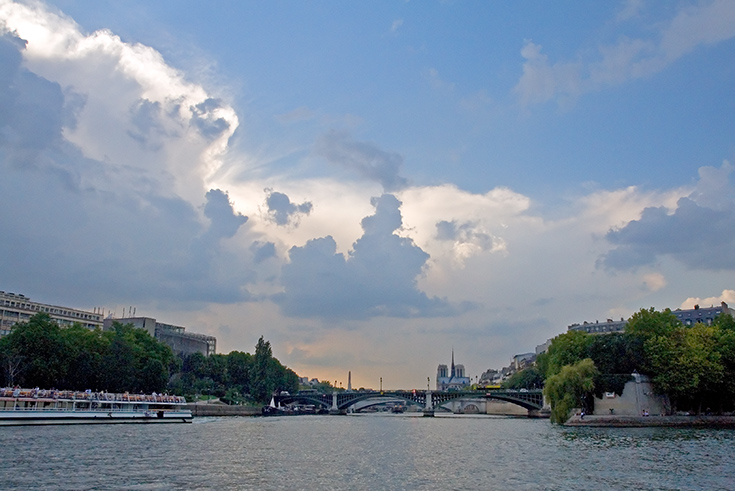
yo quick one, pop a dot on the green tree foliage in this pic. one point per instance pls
(648, 324)
(40, 353)
(694, 366)
(237, 377)
(687, 364)
(725, 342)
(528, 378)
(262, 378)
(41, 350)
(570, 388)
(616, 357)
(565, 349)
(238, 368)
(86, 349)
(135, 361)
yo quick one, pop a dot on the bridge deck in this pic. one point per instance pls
(531, 399)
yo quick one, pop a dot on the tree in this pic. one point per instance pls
(237, 376)
(262, 383)
(120, 361)
(86, 349)
(647, 324)
(12, 365)
(725, 322)
(616, 357)
(239, 365)
(135, 361)
(725, 331)
(570, 388)
(35, 352)
(565, 349)
(196, 364)
(528, 378)
(686, 363)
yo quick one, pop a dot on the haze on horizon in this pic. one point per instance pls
(368, 185)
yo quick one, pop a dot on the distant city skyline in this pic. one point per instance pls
(366, 184)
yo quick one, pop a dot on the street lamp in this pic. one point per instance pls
(381, 385)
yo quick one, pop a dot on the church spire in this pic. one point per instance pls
(453, 374)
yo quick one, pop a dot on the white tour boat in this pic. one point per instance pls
(40, 407)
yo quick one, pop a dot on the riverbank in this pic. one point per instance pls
(702, 421)
(219, 409)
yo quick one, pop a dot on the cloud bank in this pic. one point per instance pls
(122, 183)
(701, 236)
(107, 190)
(377, 278)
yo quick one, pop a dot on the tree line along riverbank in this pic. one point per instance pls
(39, 353)
(692, 366)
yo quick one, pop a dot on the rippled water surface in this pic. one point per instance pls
(365, 452)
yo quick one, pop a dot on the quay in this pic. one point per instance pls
(204, 409)
(680, 421)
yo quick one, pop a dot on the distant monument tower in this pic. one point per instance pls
(451, 377)
(349, 381)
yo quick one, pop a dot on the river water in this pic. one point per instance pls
(361, 452)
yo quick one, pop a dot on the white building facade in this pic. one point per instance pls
(16, 308)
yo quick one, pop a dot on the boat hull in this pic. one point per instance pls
(29, 418)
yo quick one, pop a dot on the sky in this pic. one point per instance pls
(369, 185)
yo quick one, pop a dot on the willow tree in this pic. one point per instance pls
(570, 388)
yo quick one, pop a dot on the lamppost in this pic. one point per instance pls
(381, 385)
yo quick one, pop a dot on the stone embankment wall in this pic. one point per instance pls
(485, 406)
(665, 421)
(200, 410)
(503, 408)
(637, 397)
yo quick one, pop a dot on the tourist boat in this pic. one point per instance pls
(41, 407)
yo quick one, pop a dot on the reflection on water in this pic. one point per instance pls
(365, 452)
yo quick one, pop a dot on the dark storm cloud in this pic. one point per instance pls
(262, 250)
(86, 233)
(697, 236)
(378, 278)
(208, 125)
(363, 157)
(282, 211)
(31, 108)
(224, 220)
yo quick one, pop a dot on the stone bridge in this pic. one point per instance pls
(338, 402)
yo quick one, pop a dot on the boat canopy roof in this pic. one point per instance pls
(88, 395)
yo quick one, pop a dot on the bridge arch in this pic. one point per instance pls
(531, 400)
